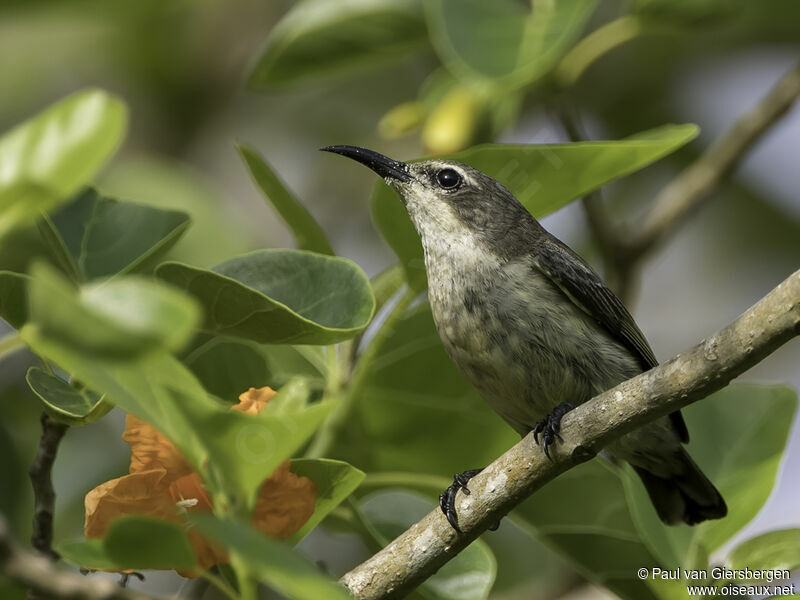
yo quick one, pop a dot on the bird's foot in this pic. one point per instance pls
(549, 427)
(447, 499)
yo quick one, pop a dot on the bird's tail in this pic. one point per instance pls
(687, 497)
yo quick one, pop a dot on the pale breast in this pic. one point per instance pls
(519, 340)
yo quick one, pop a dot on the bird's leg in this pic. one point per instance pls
(549, 427)
(447, 499)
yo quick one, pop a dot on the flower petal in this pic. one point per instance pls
(254, 400)
(285, 502)
(150, 449)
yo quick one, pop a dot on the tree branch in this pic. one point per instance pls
(41, 574)
(419, 552)
(700, 178)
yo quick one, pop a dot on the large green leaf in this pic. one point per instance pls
(228, 366)
(307, 233)
(772, 550)
(46, 159)
(14, 298)
(469, 576)
(64, 402)
(324, 38)
(502, 43)
(99, 237)
(133, 542)
(335, 481)
(272, 562)
(145, 543)
(738, 438)
(584, 516)
(544, 177)
(124, 316)
(280, 296)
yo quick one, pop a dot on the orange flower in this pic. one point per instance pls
(162, 484)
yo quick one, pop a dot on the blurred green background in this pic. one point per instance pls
(183, 66)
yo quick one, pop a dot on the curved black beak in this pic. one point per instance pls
(382, 165)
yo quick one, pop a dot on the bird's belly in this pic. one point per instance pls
(525, 347)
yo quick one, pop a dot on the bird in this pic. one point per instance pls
(532, 326)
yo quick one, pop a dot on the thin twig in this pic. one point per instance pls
(425, 547)
(41, 574)
(698, 180)
(41, 478)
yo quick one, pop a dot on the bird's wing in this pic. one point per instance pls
(586, 290)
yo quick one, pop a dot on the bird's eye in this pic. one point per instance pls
(448, 179)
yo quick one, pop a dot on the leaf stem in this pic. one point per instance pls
(10, 343)
(333, 426)
(595, 45)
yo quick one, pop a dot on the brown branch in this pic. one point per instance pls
(698, 180)
(419, 552)
(41, 574)
(41, 478)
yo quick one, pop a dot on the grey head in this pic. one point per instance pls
(448, 200)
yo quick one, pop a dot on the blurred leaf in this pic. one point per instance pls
(306, 231)
(280, 296)
(49, 157)
(772, 550)
(583, 515)
(543, 177)
(228, 366)
(145, 543)
(64, 402)
(291, 397)
(325, 38)
(468, 576)
(410, 399)
(335, 480)
(89, 554)
(14, 298)
(272, 562)
(123, 316)
(502, 43)
(100, 237)
(738, 438)
(687, 12)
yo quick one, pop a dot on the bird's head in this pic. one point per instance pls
(444, 198)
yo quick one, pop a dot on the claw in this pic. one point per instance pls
(447, 499)
(550, 426)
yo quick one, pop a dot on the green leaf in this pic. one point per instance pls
(14, 298)
(123, 316)
(49, 157)
(227, 366)
(469, 576)
(584, 516)
(502, 43)
(145, 543)
(280, 296)
(64, 402)
(99, 237)
(327, 38)
(738, 438)
(772, 550)
(290, 398)
(543, 177)
(335, 480)
(89, 554)
(307, 233)
(272, 562)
